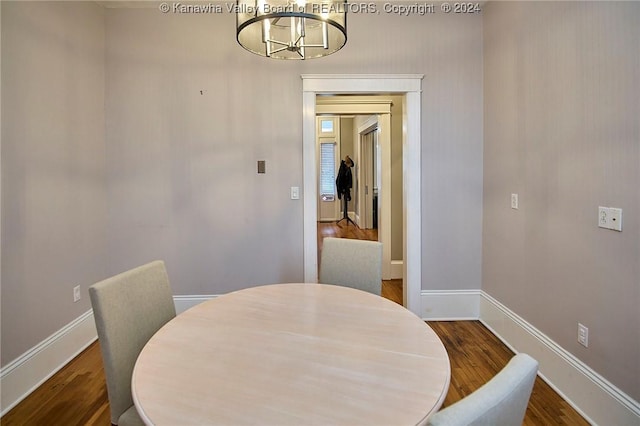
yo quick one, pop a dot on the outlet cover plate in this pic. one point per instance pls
(583, 335)
(610, 218)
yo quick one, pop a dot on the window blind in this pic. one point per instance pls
(327, 171)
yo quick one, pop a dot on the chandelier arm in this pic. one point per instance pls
(278, 42)
(279, 50)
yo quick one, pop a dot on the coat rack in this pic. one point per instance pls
(344, 181)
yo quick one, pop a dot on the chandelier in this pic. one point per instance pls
(291, 29)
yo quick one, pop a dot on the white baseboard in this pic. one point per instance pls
(595, 398)
(599, 401)
(450, 305)
(185, 302)
(397, 269)
(23, 375)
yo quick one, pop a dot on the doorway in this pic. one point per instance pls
(361, 115)
(390, 289)
(370, 172)
(410, 87)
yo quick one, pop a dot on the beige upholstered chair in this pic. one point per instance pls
(128, 309)
(502, 401)
(352, 263)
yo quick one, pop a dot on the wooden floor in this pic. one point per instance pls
(77, 394)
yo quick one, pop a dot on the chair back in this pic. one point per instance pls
(128, 309)
(502, 401)
(352, 263)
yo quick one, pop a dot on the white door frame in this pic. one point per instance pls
(380, 116)
(410, 85)
(335, 211)
(365, 157)
(382, 122)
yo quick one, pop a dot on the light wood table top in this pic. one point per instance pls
(292, 354)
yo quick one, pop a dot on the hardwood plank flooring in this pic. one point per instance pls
(476, 355)
(77, 394)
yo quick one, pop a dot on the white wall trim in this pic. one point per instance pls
(411, 86)
(362, 83)
(369, 124)
(594, 397)
(185, 302)
(24, 374)
(450, 305)
(397, 268)
(383, 123)
(373, 106)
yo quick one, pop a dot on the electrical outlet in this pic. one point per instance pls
(603, 217)
(514, 201)
(583, 335)
(76, 293)
(610, 218)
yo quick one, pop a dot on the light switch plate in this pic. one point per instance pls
(514, 201)
(295, 192)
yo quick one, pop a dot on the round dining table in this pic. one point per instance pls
(292, 354)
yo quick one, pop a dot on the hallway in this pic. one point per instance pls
(391, 289)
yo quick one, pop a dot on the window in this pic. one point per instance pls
(326, 126)
(327, 171)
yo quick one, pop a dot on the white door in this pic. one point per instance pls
(328, 145)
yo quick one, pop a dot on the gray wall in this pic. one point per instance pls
(183, 184)
(182, 179)
(54, 215)
(172, 172)
(561, 129)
